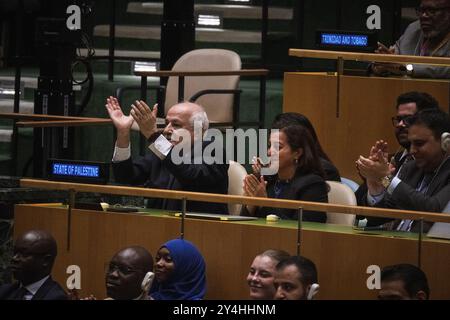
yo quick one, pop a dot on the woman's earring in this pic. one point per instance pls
(296, 161)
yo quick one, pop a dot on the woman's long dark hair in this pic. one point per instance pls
(299, 137)
(293, 118)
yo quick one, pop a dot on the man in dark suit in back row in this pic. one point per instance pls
(34, 254)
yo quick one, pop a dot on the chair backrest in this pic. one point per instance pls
(218, 107)
(340, 194)
(236, 175)
(352, 184)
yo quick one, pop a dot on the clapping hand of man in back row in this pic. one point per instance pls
(375, 166)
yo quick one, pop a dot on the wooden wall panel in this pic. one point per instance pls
(229, 248)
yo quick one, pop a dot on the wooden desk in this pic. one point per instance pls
(348, 124)
(341, 255)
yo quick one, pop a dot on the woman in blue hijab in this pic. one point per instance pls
(179, 272)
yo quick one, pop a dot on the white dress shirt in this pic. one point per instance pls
(33, 288)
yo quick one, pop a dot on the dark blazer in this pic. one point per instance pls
(307, 187)
(406, 197)
(151, 172)
(50, 290)
(331, 172)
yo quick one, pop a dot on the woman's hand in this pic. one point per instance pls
(254, 187)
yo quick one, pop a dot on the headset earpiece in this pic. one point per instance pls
(445, 141)
(313, 290)
(147, 282)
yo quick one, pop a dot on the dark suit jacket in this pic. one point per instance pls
(308, 187)
(406, 197)
(50, 290)
(152, 172)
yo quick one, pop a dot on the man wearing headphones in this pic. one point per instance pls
(403, 282)
(295, 279)
(408, 104)
(129, 275)
(422, 184)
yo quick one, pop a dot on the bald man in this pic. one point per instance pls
(126, 272)
(32, 262)
(159, 168)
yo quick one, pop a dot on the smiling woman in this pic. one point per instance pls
(179, 272)
(261, 274)
(300, 175)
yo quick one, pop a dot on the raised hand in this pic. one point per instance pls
(256, 166)
(121, 122)
(385, 50)
(374, 170)
(144, 117)
(380, 146)
(254, 187)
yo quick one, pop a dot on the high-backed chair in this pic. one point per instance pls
(352, 184)
(219, 95)
(340, 194)
(236, 175)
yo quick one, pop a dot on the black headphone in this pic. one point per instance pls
(445, 141)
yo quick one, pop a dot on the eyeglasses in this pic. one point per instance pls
(430, 11)
(405, 119)
(123, 270)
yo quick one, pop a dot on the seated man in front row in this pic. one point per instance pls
(295, 279)
(157, 169)
(129, 275)
(422, 184)
(32, 262)
(403, 282)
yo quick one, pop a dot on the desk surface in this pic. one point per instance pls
(341, 254)
(287, 224)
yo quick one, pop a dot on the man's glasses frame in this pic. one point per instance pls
(430, 11)
(123, 270)
(397, 119)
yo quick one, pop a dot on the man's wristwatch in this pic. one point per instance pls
(386, 181)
